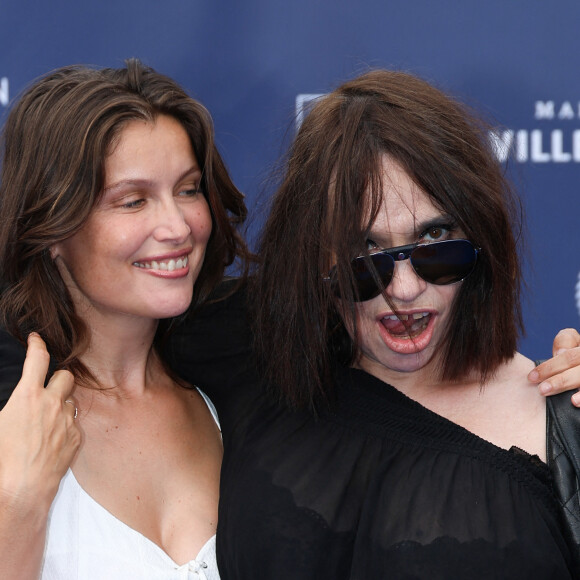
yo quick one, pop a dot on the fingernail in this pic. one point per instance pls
(546, 388)
(576, 399)
(560, 351)
(534, 376)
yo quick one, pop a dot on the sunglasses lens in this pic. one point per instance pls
(365, 281)
(444, 262)
(438, 263)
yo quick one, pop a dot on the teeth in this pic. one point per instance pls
(169, 265)
(414, 316)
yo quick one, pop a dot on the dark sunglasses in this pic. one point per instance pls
(438, 263)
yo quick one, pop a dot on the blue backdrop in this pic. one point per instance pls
(248, 62)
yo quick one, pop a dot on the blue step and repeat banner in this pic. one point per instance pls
(253, 63)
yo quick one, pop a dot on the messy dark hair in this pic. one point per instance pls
(324, 208)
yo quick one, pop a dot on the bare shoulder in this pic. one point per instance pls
(519, 403)
(518, 366)
(511, 387)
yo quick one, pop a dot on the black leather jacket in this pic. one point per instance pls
(563, 456)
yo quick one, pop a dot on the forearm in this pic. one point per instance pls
(22, 539)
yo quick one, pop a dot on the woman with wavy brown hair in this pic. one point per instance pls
(118, 215)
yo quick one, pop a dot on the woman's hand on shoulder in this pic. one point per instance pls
(562, 372)
(38, 434)
(38, 441)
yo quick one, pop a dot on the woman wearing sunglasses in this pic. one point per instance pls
(386, 313)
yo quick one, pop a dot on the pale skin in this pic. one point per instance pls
(505, 410)
(141, 426)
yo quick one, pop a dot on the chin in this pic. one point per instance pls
(171, 309)
(408, 363)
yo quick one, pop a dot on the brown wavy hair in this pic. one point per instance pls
(339, 148)
(54, 144)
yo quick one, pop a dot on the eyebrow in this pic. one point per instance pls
(436, 222)
(444, 220)
(147, 182)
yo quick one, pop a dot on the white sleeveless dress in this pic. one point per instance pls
(86, 542)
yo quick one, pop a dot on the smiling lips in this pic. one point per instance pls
(164, 265)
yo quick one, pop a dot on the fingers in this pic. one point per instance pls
(35, 364)
(565, 339)
(61, 384)
(562, 372)
(75, 409)
(558, 374)
(72, 439)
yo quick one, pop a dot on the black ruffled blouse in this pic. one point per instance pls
(374, 486)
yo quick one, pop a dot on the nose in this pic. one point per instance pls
(171, 223)
(405, 286)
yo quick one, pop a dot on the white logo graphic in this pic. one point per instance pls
(4, 92)
(547, 110)
(303, 105)
(538, 146)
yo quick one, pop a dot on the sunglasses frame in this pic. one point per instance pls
(399, 254)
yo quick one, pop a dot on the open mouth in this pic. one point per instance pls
(164, 265)
(406, 325)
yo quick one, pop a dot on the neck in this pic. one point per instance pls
(121, 356)
(425, 386)
(410, 382)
